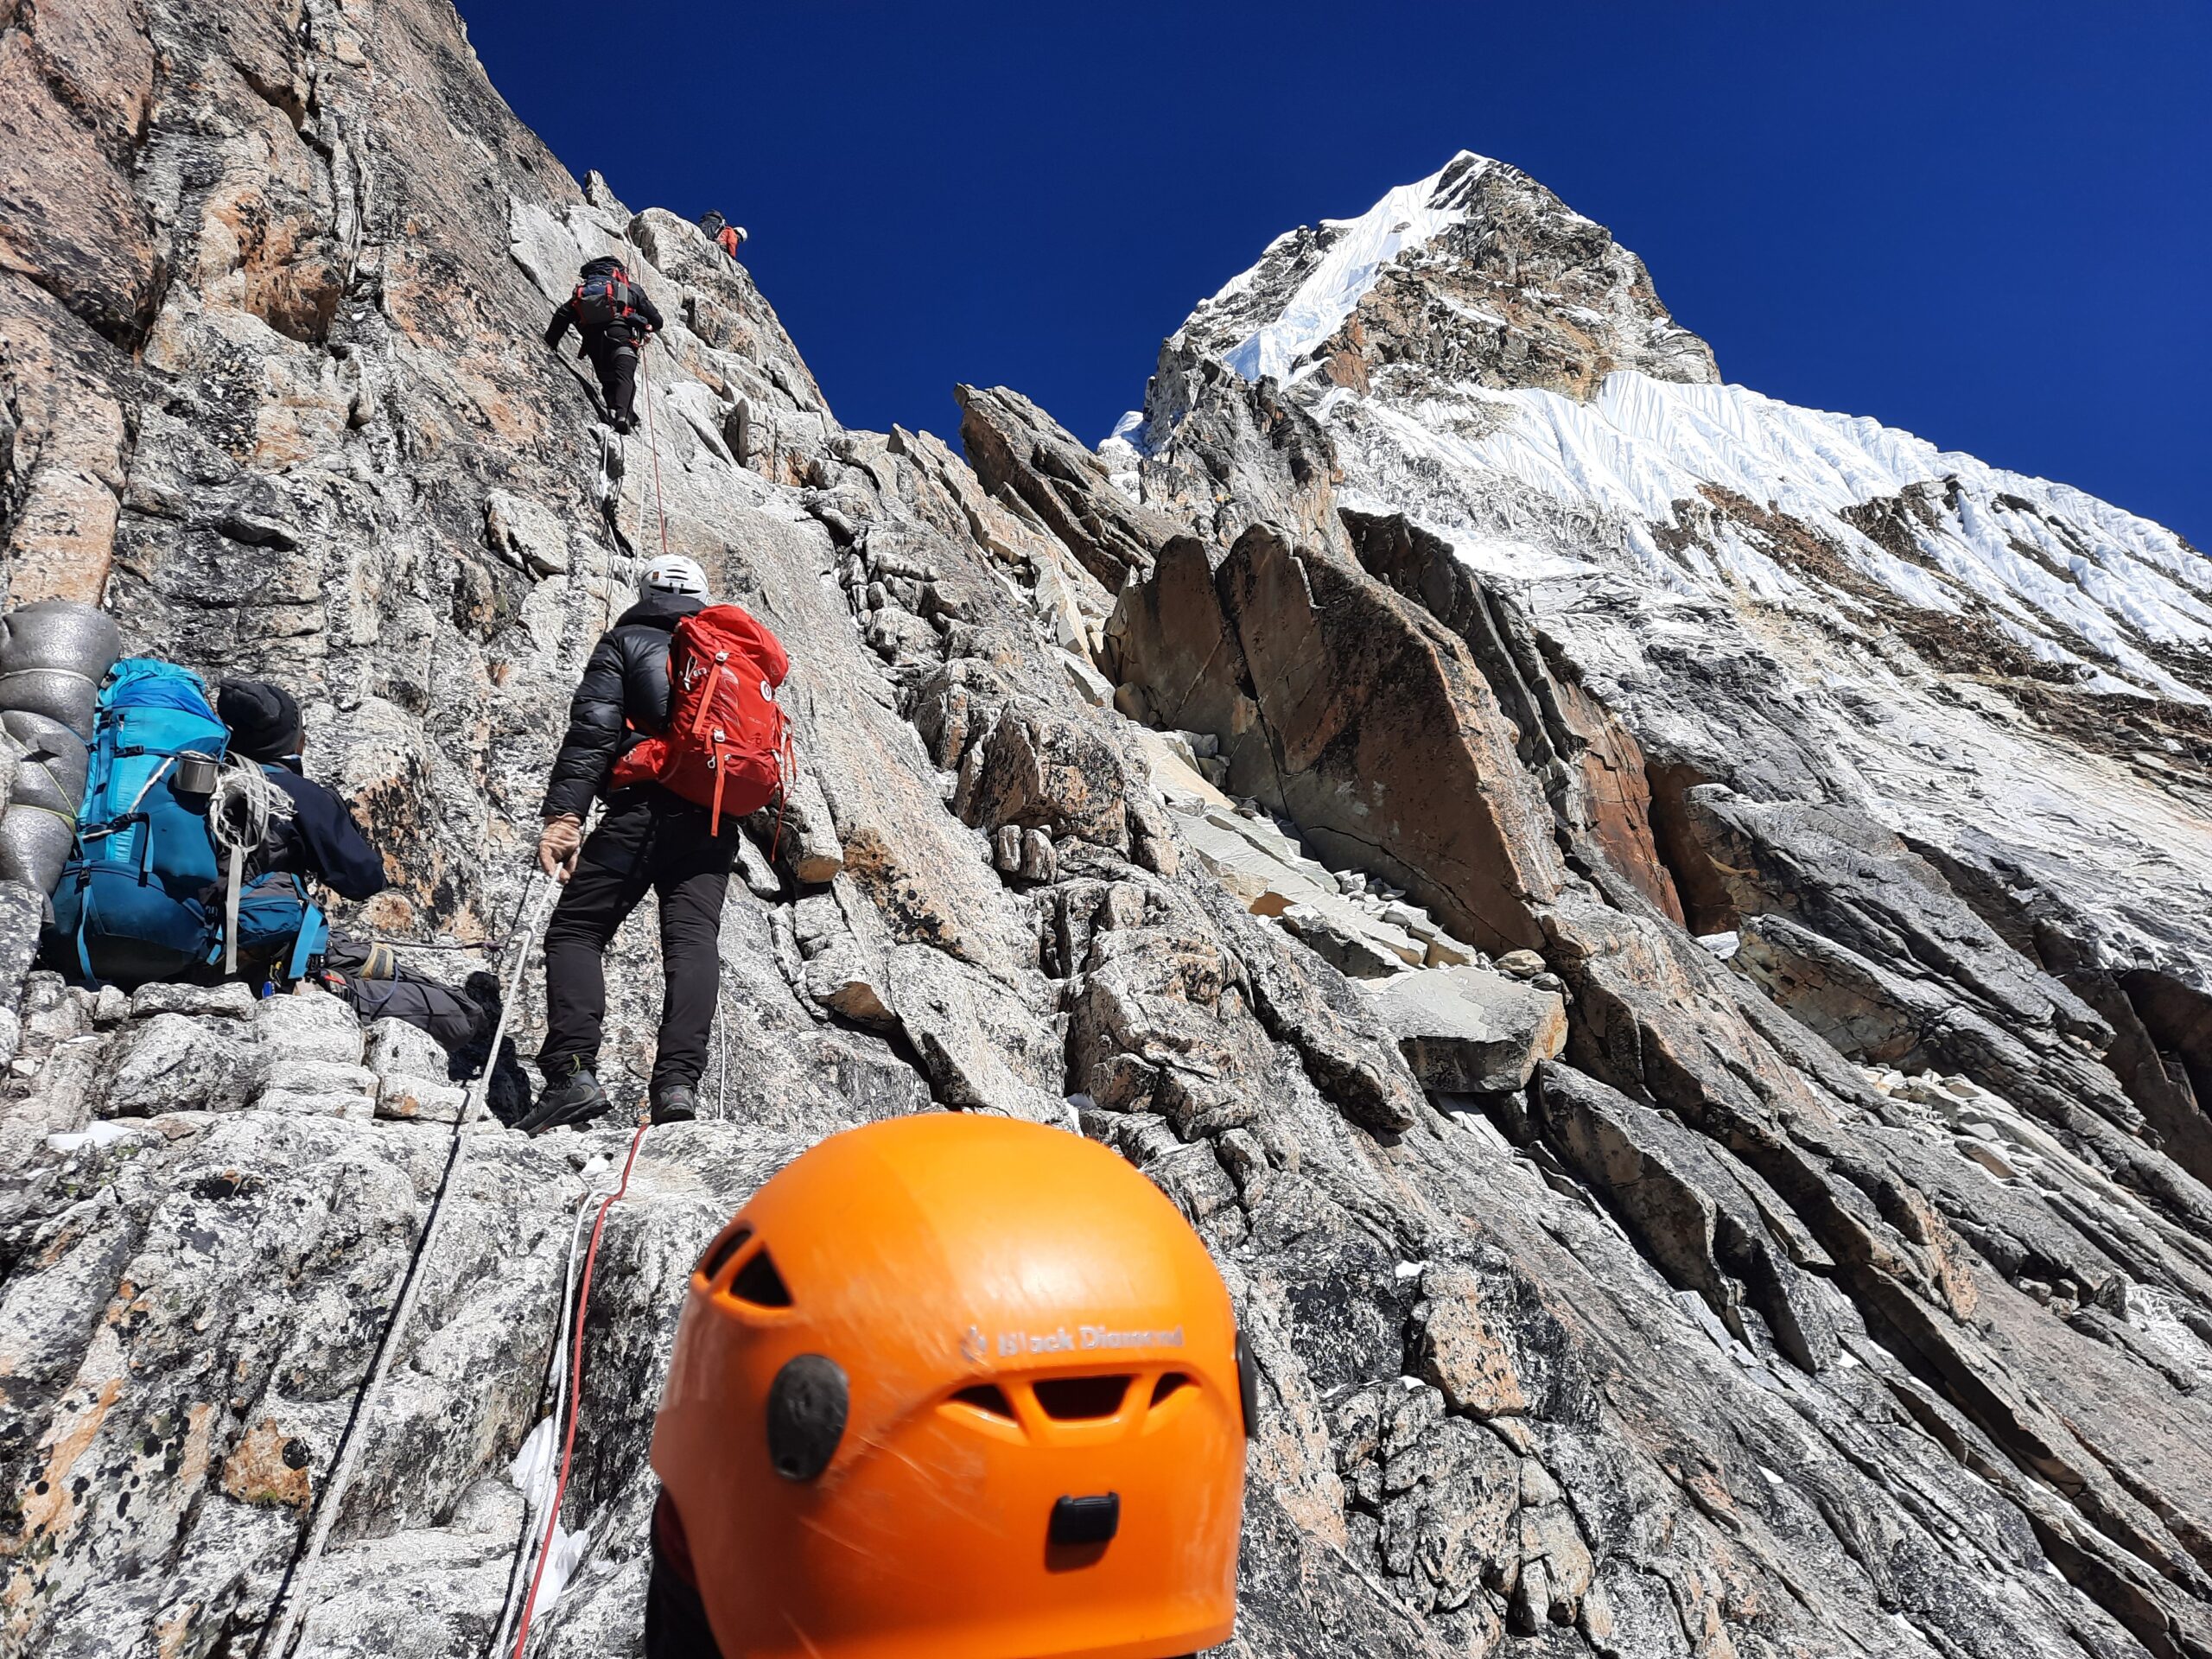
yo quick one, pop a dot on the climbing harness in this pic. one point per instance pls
(573, 1389)
(349, 1450)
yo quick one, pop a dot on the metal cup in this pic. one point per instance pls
(196, 773)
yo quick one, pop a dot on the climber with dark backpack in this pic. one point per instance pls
(674, 724)
(612, 315)
(158, 887)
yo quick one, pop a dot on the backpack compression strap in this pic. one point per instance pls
(313, 938)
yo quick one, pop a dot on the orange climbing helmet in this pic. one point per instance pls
(956, 1386)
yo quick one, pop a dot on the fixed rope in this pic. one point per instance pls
(575, 1392)
(722, 1041)
(652, 443)
(349, 1450)
(557, 1371)
(646, 389)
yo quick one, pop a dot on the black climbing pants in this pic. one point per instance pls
(379, 988)
(617, 364)
(648, 839)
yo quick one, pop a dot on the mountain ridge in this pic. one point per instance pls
(1765, 529)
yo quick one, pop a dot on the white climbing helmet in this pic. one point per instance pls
(672, 573)
(742, 235)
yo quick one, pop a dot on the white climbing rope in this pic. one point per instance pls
(349, 1450)
(244, 803)
(575, 1387)
(652, 443)
(722, 1042)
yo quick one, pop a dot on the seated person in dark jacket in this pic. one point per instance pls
(612, 346)
(322, 842)
(649, 837)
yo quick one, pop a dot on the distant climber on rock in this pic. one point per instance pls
(675, 760)
(724, 235)
(614, 315)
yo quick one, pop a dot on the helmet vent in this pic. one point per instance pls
(719, 1253)
(1076, 1398)
(1170, 1382)
(759, 1283)
(988, 1397)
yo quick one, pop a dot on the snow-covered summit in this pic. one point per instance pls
(1473, 345)
(1476, 267)
(1338, 261)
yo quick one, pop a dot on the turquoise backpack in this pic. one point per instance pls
(143, 896)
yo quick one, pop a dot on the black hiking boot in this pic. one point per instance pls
(675, 1103)
(572, 1098)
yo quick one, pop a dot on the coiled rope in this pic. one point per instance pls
(244, 803)
(302, 1572)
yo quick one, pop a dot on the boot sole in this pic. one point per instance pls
(571, 1115)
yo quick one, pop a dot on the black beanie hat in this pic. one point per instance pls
(263, 719)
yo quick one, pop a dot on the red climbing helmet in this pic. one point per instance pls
(957, 1386)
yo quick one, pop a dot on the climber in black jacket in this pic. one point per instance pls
(612, 345)
(647, 838)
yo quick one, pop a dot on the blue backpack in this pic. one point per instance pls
(143, 897)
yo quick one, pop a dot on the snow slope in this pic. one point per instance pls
(2070, 578)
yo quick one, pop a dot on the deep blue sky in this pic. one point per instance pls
(1988, 223)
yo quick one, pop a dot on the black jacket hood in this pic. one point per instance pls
(660, 611)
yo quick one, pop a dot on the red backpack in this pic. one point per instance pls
(727, 746)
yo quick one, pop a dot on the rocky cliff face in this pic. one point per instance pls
(1851, 1296)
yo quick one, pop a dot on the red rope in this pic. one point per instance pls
(575, 1388)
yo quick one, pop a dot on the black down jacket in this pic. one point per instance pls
(622, 699)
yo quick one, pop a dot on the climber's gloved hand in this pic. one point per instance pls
(558, 845)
